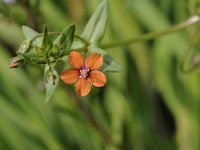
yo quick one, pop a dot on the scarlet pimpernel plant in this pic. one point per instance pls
(39, 49)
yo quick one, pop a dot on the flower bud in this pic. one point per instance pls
(16, 62)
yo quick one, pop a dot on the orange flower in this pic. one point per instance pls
(84, 72)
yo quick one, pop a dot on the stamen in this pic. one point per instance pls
(84, 72)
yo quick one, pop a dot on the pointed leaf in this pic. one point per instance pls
(95, 27)
(65, 39)
(45, 37)
(51, 79)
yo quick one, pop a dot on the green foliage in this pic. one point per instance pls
(94, 32)
(149, 104)
(45, 39)
(51, 79)
(65, 39)
(39, 49)
(95, 28)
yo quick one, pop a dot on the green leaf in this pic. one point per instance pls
(108, 62)
(47, 44)
(45, 37)
(65, 39)
(49, 48)
(95, 27)
(51, 79)
(30, 33)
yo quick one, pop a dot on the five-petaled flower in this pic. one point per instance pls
(84, 72)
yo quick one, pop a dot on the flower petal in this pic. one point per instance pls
(97, 78)
(70, 76)
(94, 61)
(76, 59)
(83, 87)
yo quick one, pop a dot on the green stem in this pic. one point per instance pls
(191, 21)
(83, 40)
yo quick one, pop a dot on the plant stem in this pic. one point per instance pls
(191, 21)
(83, 40)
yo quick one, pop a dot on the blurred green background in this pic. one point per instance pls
(149, 105)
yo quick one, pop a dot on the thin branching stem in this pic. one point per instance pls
(191, 21)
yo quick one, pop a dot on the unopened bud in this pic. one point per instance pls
(16, 62)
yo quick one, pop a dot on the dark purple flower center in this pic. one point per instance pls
(84, 72)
